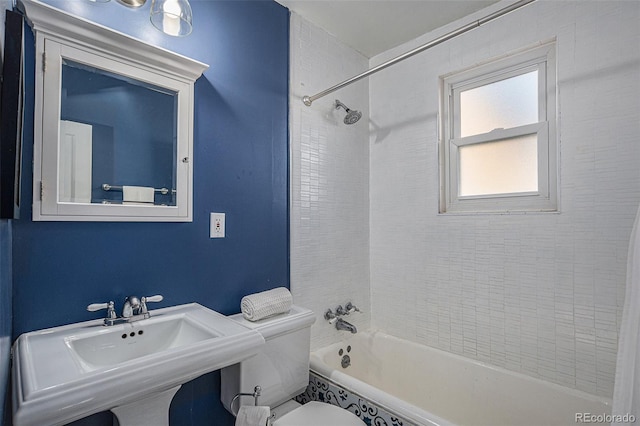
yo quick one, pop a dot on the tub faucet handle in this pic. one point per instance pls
(351, 308)
(340, 311)
(330, 316)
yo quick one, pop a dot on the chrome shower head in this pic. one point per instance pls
(352, 115)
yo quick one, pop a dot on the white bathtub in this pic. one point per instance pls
(427, 386)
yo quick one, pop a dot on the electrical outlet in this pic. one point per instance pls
(217, 225)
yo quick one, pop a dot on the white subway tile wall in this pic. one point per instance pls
(541, 294)
(329, 181)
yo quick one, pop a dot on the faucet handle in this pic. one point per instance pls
(111, 312)
(330, 316)
(97, 306)
(156, 298)
(340, 311)
(351, 308)
(144, 300)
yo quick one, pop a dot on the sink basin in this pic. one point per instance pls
(65, 373)
(111, 347)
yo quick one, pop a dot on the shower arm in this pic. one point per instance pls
(308, 100)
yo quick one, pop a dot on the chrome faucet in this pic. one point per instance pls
(347, 326)
(335, 318)
(133, 309)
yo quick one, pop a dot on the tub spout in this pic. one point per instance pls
(344, 325)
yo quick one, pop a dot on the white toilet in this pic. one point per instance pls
(281, 369)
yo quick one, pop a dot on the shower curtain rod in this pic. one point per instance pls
(308, 100)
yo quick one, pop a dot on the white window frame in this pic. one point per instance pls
(541, 58)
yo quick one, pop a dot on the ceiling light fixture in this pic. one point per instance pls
(172, 17)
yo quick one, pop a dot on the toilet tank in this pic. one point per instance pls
(280, 368)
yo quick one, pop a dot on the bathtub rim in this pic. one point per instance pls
(414, 413)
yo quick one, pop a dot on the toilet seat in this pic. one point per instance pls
(319, 414)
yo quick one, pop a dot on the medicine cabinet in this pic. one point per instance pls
(113, 128)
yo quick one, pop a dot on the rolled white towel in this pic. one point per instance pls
(257, 306)
(248, 415)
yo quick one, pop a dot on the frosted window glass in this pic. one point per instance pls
(502, 167)
(504, 104)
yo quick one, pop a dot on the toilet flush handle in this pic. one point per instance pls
(256, 394)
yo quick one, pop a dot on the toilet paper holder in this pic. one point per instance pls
(256, 394)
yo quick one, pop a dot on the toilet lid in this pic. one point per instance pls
(319, 414)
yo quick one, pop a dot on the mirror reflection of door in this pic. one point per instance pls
(75, 162)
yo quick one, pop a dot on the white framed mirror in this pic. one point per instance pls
(113, 129)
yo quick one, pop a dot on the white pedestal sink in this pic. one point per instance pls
(66, 373)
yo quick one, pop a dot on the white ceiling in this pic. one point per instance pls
(374, 26)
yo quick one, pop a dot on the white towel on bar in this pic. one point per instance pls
(257, 306)
(138, 194)
(248, 415)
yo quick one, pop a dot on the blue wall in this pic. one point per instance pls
(240, 168)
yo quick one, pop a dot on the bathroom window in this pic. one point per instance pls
(498, 140)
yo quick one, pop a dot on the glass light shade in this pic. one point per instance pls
(172, 17)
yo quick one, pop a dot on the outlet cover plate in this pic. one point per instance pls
(217, 225)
